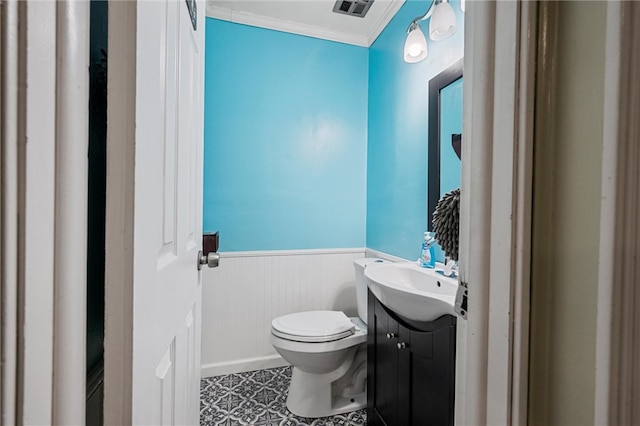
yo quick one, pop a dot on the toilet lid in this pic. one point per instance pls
(313, 326)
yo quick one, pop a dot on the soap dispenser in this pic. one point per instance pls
(428, 255)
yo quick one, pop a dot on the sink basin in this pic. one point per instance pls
(413, 292)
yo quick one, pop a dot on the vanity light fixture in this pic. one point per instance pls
(441, 26)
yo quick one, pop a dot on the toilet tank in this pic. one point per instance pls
(361, 283)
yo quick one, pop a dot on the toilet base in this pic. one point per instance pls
(341, 391)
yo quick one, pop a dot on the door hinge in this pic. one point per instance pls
(462, 297)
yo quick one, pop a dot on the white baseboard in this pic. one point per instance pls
(242, 365)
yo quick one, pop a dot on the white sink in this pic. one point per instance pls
(413, 292)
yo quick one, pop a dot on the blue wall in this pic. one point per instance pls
(397, 128)
(285, 140)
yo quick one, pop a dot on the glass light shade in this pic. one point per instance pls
(415, 47)
(443, 22)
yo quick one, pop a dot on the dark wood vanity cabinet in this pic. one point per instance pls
(411, 369)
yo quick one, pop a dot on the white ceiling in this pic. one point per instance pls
(314, 18)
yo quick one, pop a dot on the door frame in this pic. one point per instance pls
(618, 320)
(492, 385)
(45, 93)
(119, 285)
(493, 344)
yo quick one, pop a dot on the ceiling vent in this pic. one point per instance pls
(357, 8)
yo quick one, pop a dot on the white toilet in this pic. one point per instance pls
(328, 353)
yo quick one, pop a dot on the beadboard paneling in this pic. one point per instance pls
(249, 289)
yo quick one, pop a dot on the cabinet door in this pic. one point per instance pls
(383, 359)
(426, 376)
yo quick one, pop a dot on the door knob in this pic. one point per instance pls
(209, 257)
(391, 335)
(211, 260)
(402, 345)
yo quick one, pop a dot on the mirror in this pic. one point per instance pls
(445, 135)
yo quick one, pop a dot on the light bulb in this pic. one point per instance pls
(415, 47)
(414, 50)
(443, 22)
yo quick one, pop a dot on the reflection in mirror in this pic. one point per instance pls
(445, 139)
(450, 131)
(456, 142)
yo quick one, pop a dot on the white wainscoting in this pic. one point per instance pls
(249, 289)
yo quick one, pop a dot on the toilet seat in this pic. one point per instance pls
(313, 326)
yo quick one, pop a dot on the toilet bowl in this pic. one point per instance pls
(328, 353)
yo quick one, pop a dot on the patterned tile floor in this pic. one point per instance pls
(258, 398)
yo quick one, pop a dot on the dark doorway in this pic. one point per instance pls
(96, 209)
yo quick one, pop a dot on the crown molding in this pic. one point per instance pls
(392, 8)
(268, 22)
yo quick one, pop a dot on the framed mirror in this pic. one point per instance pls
(445, 135)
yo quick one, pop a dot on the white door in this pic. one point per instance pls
(159, 318)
